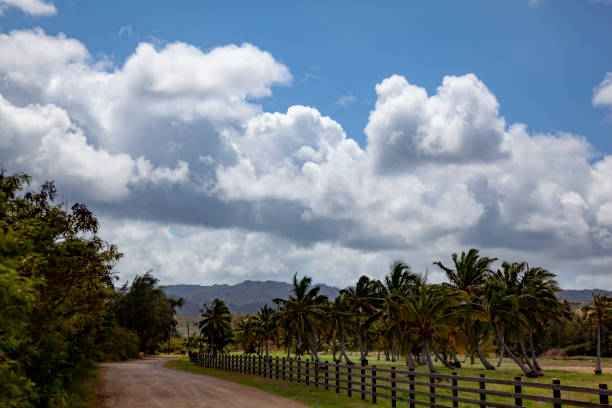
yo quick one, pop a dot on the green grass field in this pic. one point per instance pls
(577, 372)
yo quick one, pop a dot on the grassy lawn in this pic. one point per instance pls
(309, 395)
(318, 397)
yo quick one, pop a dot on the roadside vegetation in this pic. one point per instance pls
(487, 315)
(60, 312)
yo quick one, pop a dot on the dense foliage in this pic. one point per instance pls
(511, 311)
(216, 326)
(145, 309)
(59, 307)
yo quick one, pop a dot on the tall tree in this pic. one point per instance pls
(59, 273)
(468, 276)
(597, 313)
(502, 296)
(145, 309)
(303, 313)
(216, 326)
(430, 308)
(364, 302)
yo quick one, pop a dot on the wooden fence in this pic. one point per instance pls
(413, 387)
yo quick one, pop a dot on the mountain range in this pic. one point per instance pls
(249, 296)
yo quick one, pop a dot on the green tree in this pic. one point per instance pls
(145, 309)
(216, 326)
(303, 313)
(597, 313)
(63, 272)
(468, 276)
(364, 302)
(266, 326)
(429, 309)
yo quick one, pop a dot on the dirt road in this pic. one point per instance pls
(146, 384)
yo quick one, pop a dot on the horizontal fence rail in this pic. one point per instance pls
(415, 388)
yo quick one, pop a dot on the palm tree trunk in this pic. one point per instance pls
(483, 360)
(533, 355)
(531, 367)
(455, 359)
(500, 340)
(387, 351)
(342, 351)
(313, 348)
(409, 361)
(364, 361)
(333, 345)
(443, 360)
(598, 362)
(526, 370)
(430, 363)
(267, 353)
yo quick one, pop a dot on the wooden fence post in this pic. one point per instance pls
(259, 365)
(290, 369)
(350, 381)
(393, 384)
(284, 368)
(326, 376)
(432, 390)
(483, 395)
(603, 398)
(269, 365)
(518, 401)
(307, 374)
(299, 372)
(411, 378)
(455, 393)
(276, 364)
(556, 392)
(316, 367)
(337, 378)
(373, 384)
(362, 382)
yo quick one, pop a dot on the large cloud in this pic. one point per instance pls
(33, 7)
(193, 179)
(459, 124)
(42, 140)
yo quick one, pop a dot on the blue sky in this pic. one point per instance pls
(541, 60)
(220, 141)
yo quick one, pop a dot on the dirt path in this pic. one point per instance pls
(145, 383)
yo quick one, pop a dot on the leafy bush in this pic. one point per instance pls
(582, 349)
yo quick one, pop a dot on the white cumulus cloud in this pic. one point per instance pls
(33, 7)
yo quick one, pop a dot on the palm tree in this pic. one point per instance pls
(364, 301)
(429, 309)
(398, 284)
(468, 276)
(597, 312)
(502, 303)
(538, 304)
(337, 313)
(216, 325)
(246, 332)
(266, 326)
(303, 313)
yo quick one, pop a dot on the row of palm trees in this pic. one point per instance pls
(478, 310)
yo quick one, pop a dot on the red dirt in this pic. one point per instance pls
(146, 384)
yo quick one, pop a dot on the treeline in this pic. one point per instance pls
(509, 311)
(59, 311)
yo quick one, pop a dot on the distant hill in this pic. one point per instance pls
(246, 297)
(581, 295)
(249, 296)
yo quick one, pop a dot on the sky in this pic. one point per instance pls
(220, 141)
